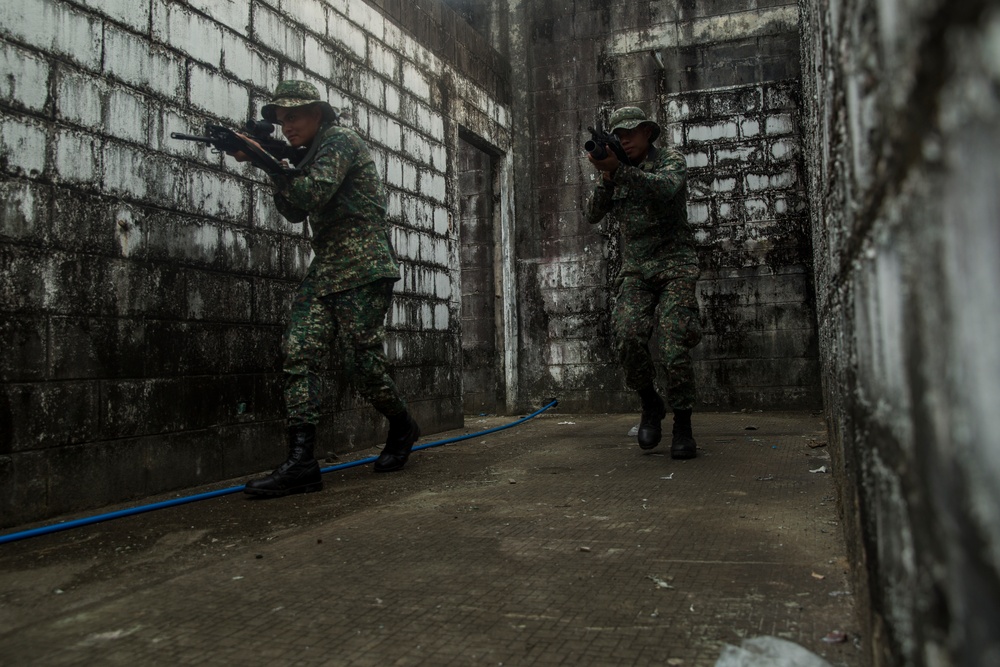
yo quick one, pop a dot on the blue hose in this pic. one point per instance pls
(97, 518)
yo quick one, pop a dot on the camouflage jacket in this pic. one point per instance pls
(649, 203)
(343, 197)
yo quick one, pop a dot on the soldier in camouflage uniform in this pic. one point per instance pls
(347, 291)
(656, 284)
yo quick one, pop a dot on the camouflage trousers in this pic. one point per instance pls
(354, 320)
(665, 305)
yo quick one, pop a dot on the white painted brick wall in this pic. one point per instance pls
(703, 132)
(756, 208)
(22, 143)
(383, 61)
(442, 285)
(395, 206)
(135, 174)
(134, 14)
(696, 160)
(265, 214)
(311, 14)
(234, 14)
(441, 254)
(409, 176)
(415, 82)
(723, 184)
(128, 116)
(216, 195)
(426, 251)
(678, 110)
(392, 99)
(439, 158)
(349, 35)
(79, 99)
(441, 221)
(21, 218)
(757, 182)
(133, 60)
(247, 64)
(27, 76)
(368, 18)
(435, 127)
(77, 157)
(274, 32)
(200, 56)
(784, 148)
(371, 88)
(186, 31)
(697, 213)
(218, 96)
(56, 27)
(416, 147)
(442, 318)
(779, 124)
(380, 159)
(434, 186)
(394, 174)
(169, 121)
(319, 59)
(749, 127)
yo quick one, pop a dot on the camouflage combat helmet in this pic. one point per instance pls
(290, 94)
(628, 118)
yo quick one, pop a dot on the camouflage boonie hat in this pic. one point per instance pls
(290, 94)
(628, 118)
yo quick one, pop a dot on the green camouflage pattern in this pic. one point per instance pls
(649, 203)
(628, 118)
(346, 293)
(667, 306)
(354, 321)
(291, 94)
(342, 195)
(659, 270)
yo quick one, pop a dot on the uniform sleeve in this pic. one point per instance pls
(286, 209)
(663, 183)
(599, 202)
(311, 190)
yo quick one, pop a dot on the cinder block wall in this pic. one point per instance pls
(144, 282)
(902, 110)
(722, 79)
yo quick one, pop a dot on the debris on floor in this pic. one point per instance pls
(767, 651)
(660, 583)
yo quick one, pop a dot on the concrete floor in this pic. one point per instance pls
(557, 542)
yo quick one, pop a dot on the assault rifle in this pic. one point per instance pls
(601, 141)
(276, 158)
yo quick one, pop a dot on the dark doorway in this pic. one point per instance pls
(482, 374)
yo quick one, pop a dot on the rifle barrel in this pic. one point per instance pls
(190, 137)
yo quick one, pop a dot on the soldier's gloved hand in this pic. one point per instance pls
(608, 165)
(241, 156)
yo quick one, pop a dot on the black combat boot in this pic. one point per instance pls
(299, 474)
(653, 412)
(683, 446)
(403, 432)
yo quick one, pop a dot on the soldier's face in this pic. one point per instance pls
(299, 124)
(635, 141)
